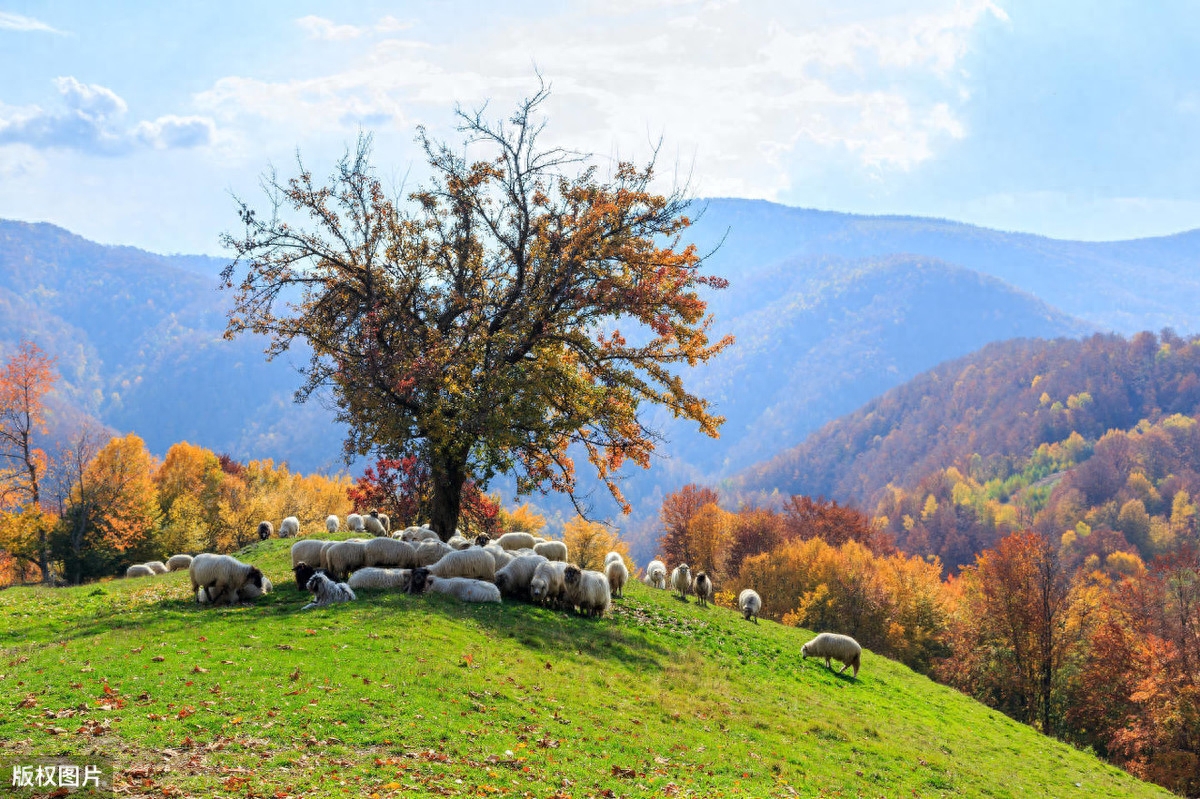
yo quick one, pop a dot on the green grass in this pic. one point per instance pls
(413, 696)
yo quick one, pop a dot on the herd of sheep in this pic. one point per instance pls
(516, 565)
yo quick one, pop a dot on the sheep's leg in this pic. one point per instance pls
(843, 671)
(828, 665)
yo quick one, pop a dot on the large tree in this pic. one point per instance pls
(479, 323)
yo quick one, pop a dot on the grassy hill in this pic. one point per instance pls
(397, 695)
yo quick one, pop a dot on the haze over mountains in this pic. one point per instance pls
(829, 310)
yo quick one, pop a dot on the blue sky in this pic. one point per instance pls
(132, 123)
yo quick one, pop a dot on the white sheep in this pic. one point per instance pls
(354, 523)
(515, 541)
(611, 556)
(222, 574)
(458, 542)
(656, 574)
(430, 552)
(332, 523)
(308, 550)
(323, 563)
(346, 556)
(586, 590)
(546, 586)
(139, 570)
(681, 580)
(178, 562)
(265, 530)
(289, 527)
(463, 589)
(250, 592)
(617, 575)
(327, 592)
(552, 550)
(389, 579)
(373, 525)
(419, 534)
(750, 603)
(387, 522)
(388, 552)
(502, 556)
(513, 580)
(475, 563)
(838, 647)
(703, 586)
(157, 566)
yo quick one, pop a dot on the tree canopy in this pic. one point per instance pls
(478, 322)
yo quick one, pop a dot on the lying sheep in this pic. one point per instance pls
(332, 523)
(157, 566)
(552, 550)
(390, 553)
(546, 587)
(265, 530)
(515, 541)
(617, 575)
(250, 592)
(482, 540)
(381, 579)
(372, 524)
(586, 590)
(302, 572)
(703, 588)
(419, 534)
(502, 556)
(308, 550)
(475, 563)
(513, 580)
(837, 647)
(750, 603)
(327, 592)
(289, 527)
(222, 575)
(139, 570)
(458, 542)
(464, 589)
(354, 523)
(178, 562)
(430, 552)
(681, 580)
(345, 556)
(656, 574)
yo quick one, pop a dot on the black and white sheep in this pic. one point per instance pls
(513, 580)
(383, 579)
(390, 553)
(552, 550)
(681, 580)
(302, 572)
(512, 541)
(837, 647)
(617, 575)
(546, 586)
(332, 523)
(475, 563)
(326, 592)
(289, 527)
(354, 523)
(139, 570)
(656, 574)
(586, 590)
(750, 603)
(703, 587)
(265, 530)
(177, 563)
(222, 575)
(308, 550)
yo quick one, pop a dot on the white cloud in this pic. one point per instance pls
(328, 30)
(16, 22)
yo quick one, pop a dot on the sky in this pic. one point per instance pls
(138, 123)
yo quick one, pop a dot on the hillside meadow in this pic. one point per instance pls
(410, 696)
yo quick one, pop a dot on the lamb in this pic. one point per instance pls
(390, 553)
(157, 566)
(327, 592)
(552, 550)
(515, 541)
(332, 523)
(289, 527)
(837, 647)
(418, 534)
(178, 562)
(704, 588)
(308, 550)
(463, 589)
(430, 552)
(656, 574)
(373, 525)
(354, 523)
(475, 563)
(546, 587)
(139, 570)
(750, 603)
(303, 572)
(617, 575)
(587, 590)
(502, 556)
(681, 580)
(513, 580)
(345, 556)
(222, 574)
(265, 530)
(385, 579)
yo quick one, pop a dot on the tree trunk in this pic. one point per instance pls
(447, 473)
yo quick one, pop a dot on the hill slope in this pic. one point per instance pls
(394, 694)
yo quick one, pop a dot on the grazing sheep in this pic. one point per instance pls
(617, 575)
(345, 556)
(418, 534)
(552, 550)
(327, 592)
(502, 556)
(157, 566)
(390, 553)
(704, 588)
(373, 525)
(303, 572)
(308, 550)
(387, 522)
(586, 590)
(354, 523)
(611, 556)
(332, 523)
(178, 562)
(222, 574)
(515, 541)
(546, 587)
(289, 527)
(139, 570)
(463, 589)
(430, 552)
(387, 579)
(475, 563)
(838, 647)
(750, 603)
(681, 580)
(513, 580)
(656, 574)
(265, 530)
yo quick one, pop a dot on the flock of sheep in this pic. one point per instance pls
(516, 565)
